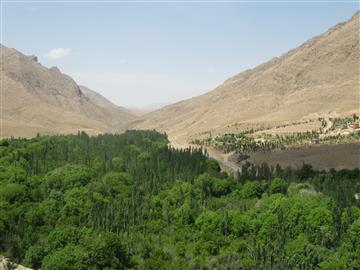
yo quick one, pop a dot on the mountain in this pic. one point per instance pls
(36, 99)
(318, 78)
(139, 111)
(116, 116)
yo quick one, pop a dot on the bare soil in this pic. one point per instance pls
(321, 157)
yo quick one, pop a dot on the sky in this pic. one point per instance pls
(146, 54)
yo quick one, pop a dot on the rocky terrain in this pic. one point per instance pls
(35, 99)
(6, 264)
(320, 78)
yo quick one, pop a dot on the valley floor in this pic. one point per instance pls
(321, 157)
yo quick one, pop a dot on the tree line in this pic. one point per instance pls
(130, 201)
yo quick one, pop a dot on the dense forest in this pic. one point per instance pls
(130, 201)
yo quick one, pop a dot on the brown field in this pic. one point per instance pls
(321, 157)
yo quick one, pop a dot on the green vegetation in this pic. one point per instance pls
(129, 201)
(243, 144)
(342, 123)
(246, 142)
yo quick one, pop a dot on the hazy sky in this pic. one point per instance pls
(137, 54)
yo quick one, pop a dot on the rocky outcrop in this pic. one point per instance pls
(6, 264)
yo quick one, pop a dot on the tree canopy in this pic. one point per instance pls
(130, 201)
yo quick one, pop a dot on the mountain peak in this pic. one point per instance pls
(55, 69)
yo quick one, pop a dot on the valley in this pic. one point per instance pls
(321, 157)
(330, 145)
(260, 173)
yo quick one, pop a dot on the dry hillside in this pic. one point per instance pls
(36, 99)
(318, 78)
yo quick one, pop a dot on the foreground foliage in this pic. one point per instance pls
(129, 201)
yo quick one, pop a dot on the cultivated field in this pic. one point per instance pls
(337, 156)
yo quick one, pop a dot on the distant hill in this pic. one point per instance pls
(318, 78)
(36, 99)
(139, 111)
(116, 116)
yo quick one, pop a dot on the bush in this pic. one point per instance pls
(68, 177)
(251, 189)
(210, 222)
(277, 186)
(12, 192)
(70, 257)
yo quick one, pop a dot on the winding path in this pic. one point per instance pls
(222, 158)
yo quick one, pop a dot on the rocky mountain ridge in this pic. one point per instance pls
(36, 99)
(318, 78)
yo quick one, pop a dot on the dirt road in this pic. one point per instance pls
(220, 157)
(321, 157)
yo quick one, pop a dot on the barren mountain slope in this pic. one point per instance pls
(116, 116)
(36, 99)
(320, 77)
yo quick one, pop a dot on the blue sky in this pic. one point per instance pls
(138, 54)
